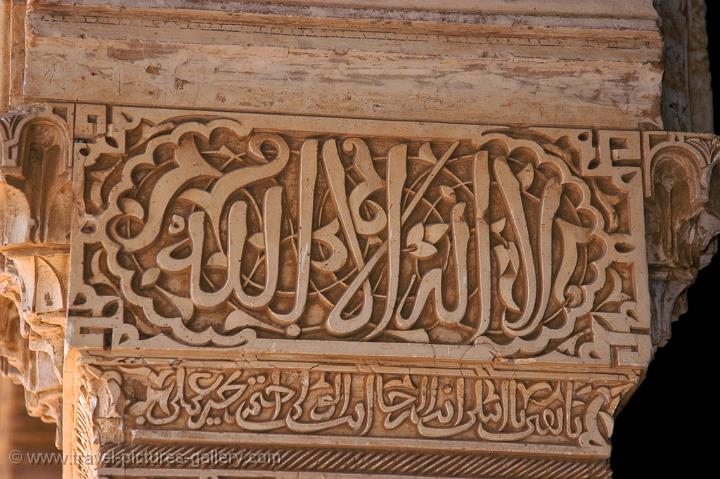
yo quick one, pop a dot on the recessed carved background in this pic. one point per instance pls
(215, 231)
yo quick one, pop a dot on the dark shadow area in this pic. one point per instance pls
(713, 29)
(665, 429)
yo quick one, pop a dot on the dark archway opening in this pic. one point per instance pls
(666, 428)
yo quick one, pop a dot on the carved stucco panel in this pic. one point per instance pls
(217, 232)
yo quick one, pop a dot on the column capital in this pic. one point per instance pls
(36, 199)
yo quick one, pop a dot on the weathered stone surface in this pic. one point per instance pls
(348, 238)
(687, 94)
(355, 61)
